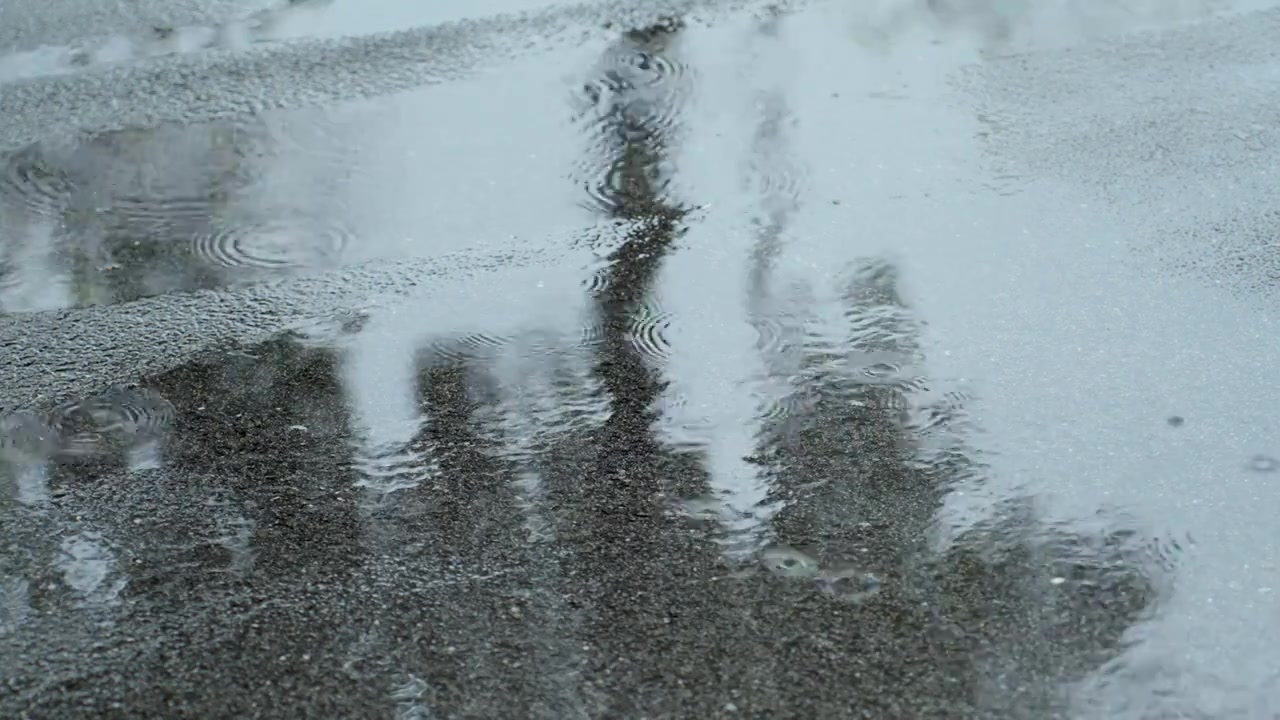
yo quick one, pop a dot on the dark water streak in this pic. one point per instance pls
(640, 578)
(859, 497)
(206, 629)
(464, 600)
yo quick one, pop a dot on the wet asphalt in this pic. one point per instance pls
(539, 546)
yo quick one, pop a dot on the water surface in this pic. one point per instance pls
(699, 359)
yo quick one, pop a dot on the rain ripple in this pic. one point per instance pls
(636, 94)
(468, 347)
(128, 410)
(777, 334)
(775, 177)
(29, 183)
(156, 218)
(871, 337)
(840, 581)
(31, 437)
(788, 562)
(128, 417)
(488, 347)
(384, 471)
(279, 243)
(944, 414)
(789, 404)
(648, 324)
(598, 280)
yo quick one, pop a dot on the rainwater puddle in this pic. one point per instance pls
(635, 360)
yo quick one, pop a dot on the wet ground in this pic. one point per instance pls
(677, 359)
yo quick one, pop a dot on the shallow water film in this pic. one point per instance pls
(621, 359)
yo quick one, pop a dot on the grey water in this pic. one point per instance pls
(680, 359)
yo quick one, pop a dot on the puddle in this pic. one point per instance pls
(623, 359)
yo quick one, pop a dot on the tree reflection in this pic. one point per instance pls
(856, 609)
(256, 582)
(461, 602)
(238, 552)
(860, 468)
(121, 209)
(976, 631)
(645, 584)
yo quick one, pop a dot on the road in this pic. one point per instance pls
(676, 360)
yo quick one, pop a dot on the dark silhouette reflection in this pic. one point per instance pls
(71, 199)
(891, 626)
(643, 583)
(133, 214)
(236, 553)
(467, 627)
(858, 495)
(980, 630)
(244, 574)
(632, 110)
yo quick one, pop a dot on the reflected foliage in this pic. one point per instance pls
(246, 574)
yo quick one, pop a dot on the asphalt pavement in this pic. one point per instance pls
(639, 360)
